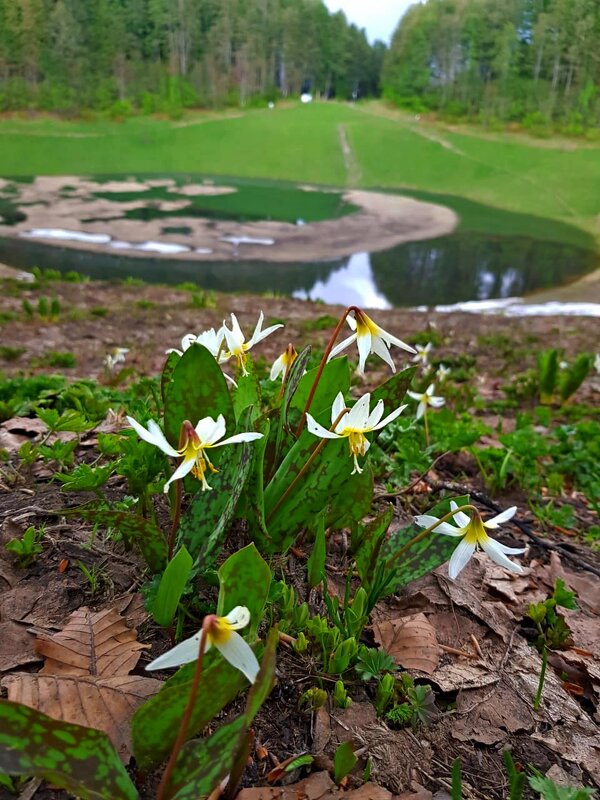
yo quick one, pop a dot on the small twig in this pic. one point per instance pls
(456, 652)
(476, 646)
(522, 526)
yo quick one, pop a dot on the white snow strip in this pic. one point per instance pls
(65, 235)
(517, 307)
(162, 247)
(238, 240)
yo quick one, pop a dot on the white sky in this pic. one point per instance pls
(379, 17)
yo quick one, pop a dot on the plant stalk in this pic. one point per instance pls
(176, 517)
(185, 722)
(540, 689)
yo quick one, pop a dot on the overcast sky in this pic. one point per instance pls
(379, 17)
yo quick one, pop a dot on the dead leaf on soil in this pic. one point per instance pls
(318, 786)
(411, 641)
(17, 646)
(85, 677)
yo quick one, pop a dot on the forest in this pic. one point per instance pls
(536, 62)
(165, 55)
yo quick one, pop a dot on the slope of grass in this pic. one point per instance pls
(302, 143)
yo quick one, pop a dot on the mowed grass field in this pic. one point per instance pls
(326, 143)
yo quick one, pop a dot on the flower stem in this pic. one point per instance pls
(185, 722)
(427, 442)
(540, 689)
(305, 467)
(420, 536)
(326, 353)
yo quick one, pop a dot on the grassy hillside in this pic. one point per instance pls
(330, 144)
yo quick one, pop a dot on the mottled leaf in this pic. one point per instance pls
(367, 549)
(245, 579)
(247, 393)
(392, 392)
(80, 760)
(172, 583)
(354, 503)
(334, 379)
(196, 389)
(167, 372)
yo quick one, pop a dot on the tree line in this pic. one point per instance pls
(536, 62)
(165, 55)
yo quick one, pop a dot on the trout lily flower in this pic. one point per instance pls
(426, 399)
(422, 354)
(193, 445)
(283, 364)
(354, 424)
(237, 346)
(442, 372)
(221, 633)
(116, 356)
(370, 338)
(473, 532)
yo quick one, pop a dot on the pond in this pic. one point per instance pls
(460, 267)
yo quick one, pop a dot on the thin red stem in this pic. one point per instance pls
(326, 353)
(185, 722)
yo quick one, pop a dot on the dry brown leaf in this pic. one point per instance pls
(17, 646)
(318, 786)
(411, 641)
(85, 677)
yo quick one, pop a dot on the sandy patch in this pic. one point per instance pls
(382, 221)
(208, 190)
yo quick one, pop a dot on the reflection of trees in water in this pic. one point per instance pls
(224, 276)
(473, 267)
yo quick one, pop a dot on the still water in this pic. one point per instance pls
(452, 269)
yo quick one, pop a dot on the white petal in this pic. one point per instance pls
(182, 470)
(359, 414)
(218, 431)
(421, 409)
(182, 653)
(240, 655)
(460, 558)
(375, 416)
(495, 553)
(339, 404)
(430, 389)
(238, 617)
(278, 368)
(390, 418)
(341, 346)
(379, 348)
(239, 437)
(427, 520)
(207, 428)
(237, 331)
(318, 430)
(351, 322)
(504, 516)
(187, 340)
(436, 402)
(151, 437)
(394, 340)
(172, 350)
(258, 337)
(161, 440)
(460, 517)
(364, 348)
(233, 343)
(415, 395)
(511, 551)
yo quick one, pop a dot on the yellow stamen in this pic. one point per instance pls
(219, 631)
(365, 324)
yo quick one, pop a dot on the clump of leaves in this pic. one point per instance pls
(28, 547)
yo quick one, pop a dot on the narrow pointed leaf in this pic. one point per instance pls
(245, 579)
(316, 560)
(172, 583)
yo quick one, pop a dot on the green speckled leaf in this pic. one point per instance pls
(247, 392)
(354, 502)
(196, 389)
(245, 579)
(426, 555)
(80, 760)
(167, 373)
(335, 379)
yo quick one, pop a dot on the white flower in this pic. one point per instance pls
(473, 533)
(426, 399)
(422, 355)
(221, 633)
(597, 362)
(211, 339)
(236, 341)
(283, 364)
(443, 372)
(195, 442)
(116, 356)
(354, 424)
(370, 338)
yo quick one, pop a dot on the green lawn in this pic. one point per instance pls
(302, 143)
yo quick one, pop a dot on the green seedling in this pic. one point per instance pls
(28, 547)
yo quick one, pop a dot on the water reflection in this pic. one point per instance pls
(448, 270)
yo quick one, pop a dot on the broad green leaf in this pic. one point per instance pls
(196, 389)
(354, 503)
(156, 723)
(344, 761)
(80, 760)
(574, 375)
(202, 764)
(204, 526)
(392, 392)
(372, 537)
(293, 381)
(247, 393)
(326, 476)
(426, 555)
(335, 379)
(548, 373)
(141, 532)
(245, 579)
(171, 586)
(316, 560)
